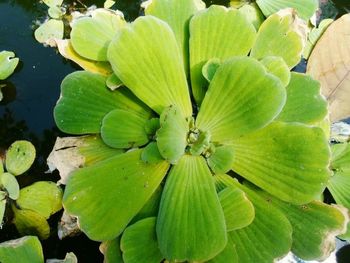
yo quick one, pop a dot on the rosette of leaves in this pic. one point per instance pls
(222, 155)
(31, 205)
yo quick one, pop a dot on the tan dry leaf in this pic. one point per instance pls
(330, 64)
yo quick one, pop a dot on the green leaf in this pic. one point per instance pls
(10, 184)
(79, 112)
(2, 206)
(288, 160)
(49, 31)
(172, 135)
(22, 250)
(341, 157)
(29, 222)
(139, 242)
(214, 34)
(177, 14)
(114, 191)
(304, 101)
(111, 251)
(55, 12)
(45, 198)
(257, 242)
(113, 82)
(209, 68)
(1, 166)
(152, 126)
(108, 4)
(50, 3)
(123, 129)
(228, 255)
(90, 36)
(305, 8)
(238, 210)
(70, 258)
(19, 157)
(201, 142)
(315, 226)
(221, 160)
(279, 36)
(339, 185)
(8, 64)
(191, 224)
(257, 97)
(150, 153)
(253, 14)
(277, 67)
(146, 58)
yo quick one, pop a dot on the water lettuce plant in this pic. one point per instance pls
(33, 204)
(8, 64)
(222, 155)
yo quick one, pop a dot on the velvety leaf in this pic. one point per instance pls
(113, 82)
(8, 63)
(277, 67)
(214, 34)
(238, 210)
(256, 98)
(304, 101)
(114, 191)
(177, 14)
(123, 129)
(221, 160)
(45, 198)
(304, 8)
(288, 160)
(1, 166)
(253, 14)
(2, 206)
(9, 183)
(49, 31)
(228, 255)
(108, 4)
(29, 222)
(139, 242)
(66, 50)
(281, 35)
(152, 126)
(146, 58)
(55, 12)
(191, 224)
(90, 36)
(79, 112)
(210, 68)
(201, 142)
(258, 241)
(111, 251)
(172, 135)
(19, 157)
(150, 153)
(22, 250)
(329, 63)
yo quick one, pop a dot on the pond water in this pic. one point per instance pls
(31, 93)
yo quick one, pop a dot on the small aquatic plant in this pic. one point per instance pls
(222, 155)
(8, 64)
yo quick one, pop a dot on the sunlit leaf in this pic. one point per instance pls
(8, 63)
(22, 250)
(190, 224)
(111, 251)
(49, 31)
(288, 160)
(228, 255)
(150, 153)
(55, 12)
(209, 68)
(108, 3)
(113, 191)
(9, 183)
(139, 242)
(123, 129)
(221, 160)
(2, 206)
(253, 14)
(277, 67)
(113, 82)
(214, 34)
(329, 63)
(50, 3)
(256, 98)
(19, 157)
(90, 36)
(145, 57)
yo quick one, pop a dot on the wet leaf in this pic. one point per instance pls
(9, 183)
(329, 63)
(49, 31)
(8, 64)
(19, 157)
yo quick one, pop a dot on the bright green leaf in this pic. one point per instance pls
(22, 250)
(55, 12)
(256, 98)
(222, 159)
(238, 210)
(45, 198)
(19, 157)
(209, 68)
(10, 184)
(228, 255)
(304, 101)
(114, 191)
(50, 3)
(111, 251)
(70, 258)
(49, 31)
(150, 153)
(279, 36)
(253, 14)
(139, 242)
(8, 63)
(123, 129)
(90, 36)
(2, 206)
(288, 160)
(172, 135)
(305, 8)
(177, 14)
(79, 111)
(277, 67)
(191, 224)
(1, 166)
(146, 58)
(113, 82)
(152, 126)
(214, 34)
(108, 4)
(201, 143)
(341, 157)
